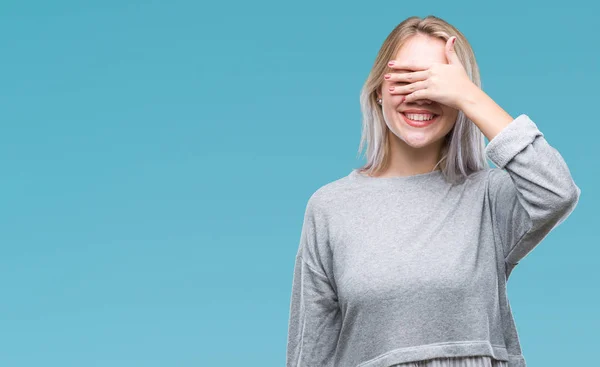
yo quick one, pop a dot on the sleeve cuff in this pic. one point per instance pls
(511, 140)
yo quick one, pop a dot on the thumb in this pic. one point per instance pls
(450, 52)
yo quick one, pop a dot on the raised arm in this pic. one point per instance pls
(531, 192)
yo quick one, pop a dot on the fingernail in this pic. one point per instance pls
(391, 63)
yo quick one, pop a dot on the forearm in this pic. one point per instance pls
(485, 112)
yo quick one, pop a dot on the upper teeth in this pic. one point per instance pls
(419, 116)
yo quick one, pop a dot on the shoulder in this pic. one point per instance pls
(489, 175)
(497, 177)
(328, 194)
(487, 181)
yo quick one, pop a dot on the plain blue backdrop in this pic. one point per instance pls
(157, 157)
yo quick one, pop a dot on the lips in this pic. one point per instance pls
(415, 110)
(419, 123)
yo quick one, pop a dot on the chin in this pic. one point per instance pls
(419, 137)
(416, 143)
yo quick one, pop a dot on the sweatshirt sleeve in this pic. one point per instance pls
(315, 317)
(530, 192)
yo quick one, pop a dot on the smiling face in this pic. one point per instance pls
(423, 50)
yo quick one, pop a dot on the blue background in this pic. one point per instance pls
(157, 157)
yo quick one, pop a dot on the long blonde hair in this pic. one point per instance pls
(463, 150)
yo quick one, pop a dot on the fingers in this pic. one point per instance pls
(406, 77)
(406, 89)
(420, 94)
(408, 66)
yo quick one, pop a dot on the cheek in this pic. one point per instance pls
(450, 113)
(394, 100)
(448, 126)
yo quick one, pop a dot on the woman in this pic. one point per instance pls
(404, 262)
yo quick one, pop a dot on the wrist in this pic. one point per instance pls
(484, 112)
(471, 97)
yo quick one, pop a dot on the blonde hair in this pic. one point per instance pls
(463, 150)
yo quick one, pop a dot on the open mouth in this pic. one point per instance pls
(419, 120)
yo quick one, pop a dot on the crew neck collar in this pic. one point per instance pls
(357, 176)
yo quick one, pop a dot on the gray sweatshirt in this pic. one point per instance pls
(399, 269)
